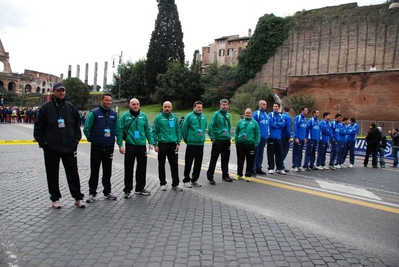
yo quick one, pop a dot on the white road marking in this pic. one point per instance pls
(351, 190)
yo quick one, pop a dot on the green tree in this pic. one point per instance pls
(248, 96)
(132, 81)
(295, 102)
(218, 83)
(77, 92)
(180, 84)
(270, 33)
(166, 44)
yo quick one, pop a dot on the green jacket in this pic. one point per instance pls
(137, 128)
(247, 132)
(165, 129)
(219, 126)
(193, 129)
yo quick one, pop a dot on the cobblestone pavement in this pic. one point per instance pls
(164, 229)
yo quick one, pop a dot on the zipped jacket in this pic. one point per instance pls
(276, 124)
(57, 126)
(247, 132)
(137, 129)
(193, 129)
(165, 129)
(313, 129)
(260, 116)
(352, 131)
(300, 127)
(326, 132)
(219, 126)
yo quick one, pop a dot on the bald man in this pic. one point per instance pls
(166, 135)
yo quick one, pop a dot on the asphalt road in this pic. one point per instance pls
(359, 207)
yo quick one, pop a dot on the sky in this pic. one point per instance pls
(49, 35)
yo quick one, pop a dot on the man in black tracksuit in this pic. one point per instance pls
(57, 130)
(373, 139)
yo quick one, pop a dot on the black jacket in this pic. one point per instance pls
(373, 137)
(47, 131)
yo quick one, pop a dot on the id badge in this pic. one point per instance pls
(199, 132)
(136, 134)
(107, 133)
(224, 130)
(61, 123)
(244, 135)
(172, 124)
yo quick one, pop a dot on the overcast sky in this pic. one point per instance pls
(49, 35)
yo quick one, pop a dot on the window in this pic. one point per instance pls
(239, 50)
(221, 53)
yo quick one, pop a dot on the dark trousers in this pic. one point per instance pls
(52, 164)
(222, 148)
(373, 150)
(333, 152)
(245, 152)
(259, 151)
(321, 154)
(100, 155)
(310, 153)
(285, 143)
(274, 152)
(193, 153)
(297, 152)
(168, 150)
(351, 148)
(132, 153)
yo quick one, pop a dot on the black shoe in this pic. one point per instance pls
(375, 167)
(260, 172)
(227, 179)
(307, 169)
(211, 181)
(286, 170)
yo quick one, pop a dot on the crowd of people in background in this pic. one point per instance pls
(18, 114)
(132, 132)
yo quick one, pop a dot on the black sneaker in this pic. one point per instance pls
(127, 195)
(227, 179)
(211, 181)
(260, 172)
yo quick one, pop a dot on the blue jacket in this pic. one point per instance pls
(326, 131)
(260, 116)
(97, 123)
(300, 127)
(286, 133)
(352, 131)
(341, 133)
(313, 129)
(335, 130)
(276, 124)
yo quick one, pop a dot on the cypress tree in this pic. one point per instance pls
(166, 44)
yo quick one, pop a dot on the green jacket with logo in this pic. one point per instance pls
(132, 124)
(165, 129)
(219, 126)
(193, 129)
(247, 132)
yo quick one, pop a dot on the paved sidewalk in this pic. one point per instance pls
(164, 229)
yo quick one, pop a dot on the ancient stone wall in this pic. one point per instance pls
(338, 39)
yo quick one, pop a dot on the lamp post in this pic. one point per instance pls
(121, 60)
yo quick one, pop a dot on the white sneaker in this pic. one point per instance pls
(164, 187)
(188, 185)
(196, 184)
(90, 199)
(295, 169)
(271, 171)
(301, 169)
(319, 168)
(177, 188)
(80, 204)
(282, 172)
(351, 166)
(343, 166)
(325, 168)
(338, 166)
(56, 205)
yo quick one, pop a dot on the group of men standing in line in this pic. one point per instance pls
(57, 130)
